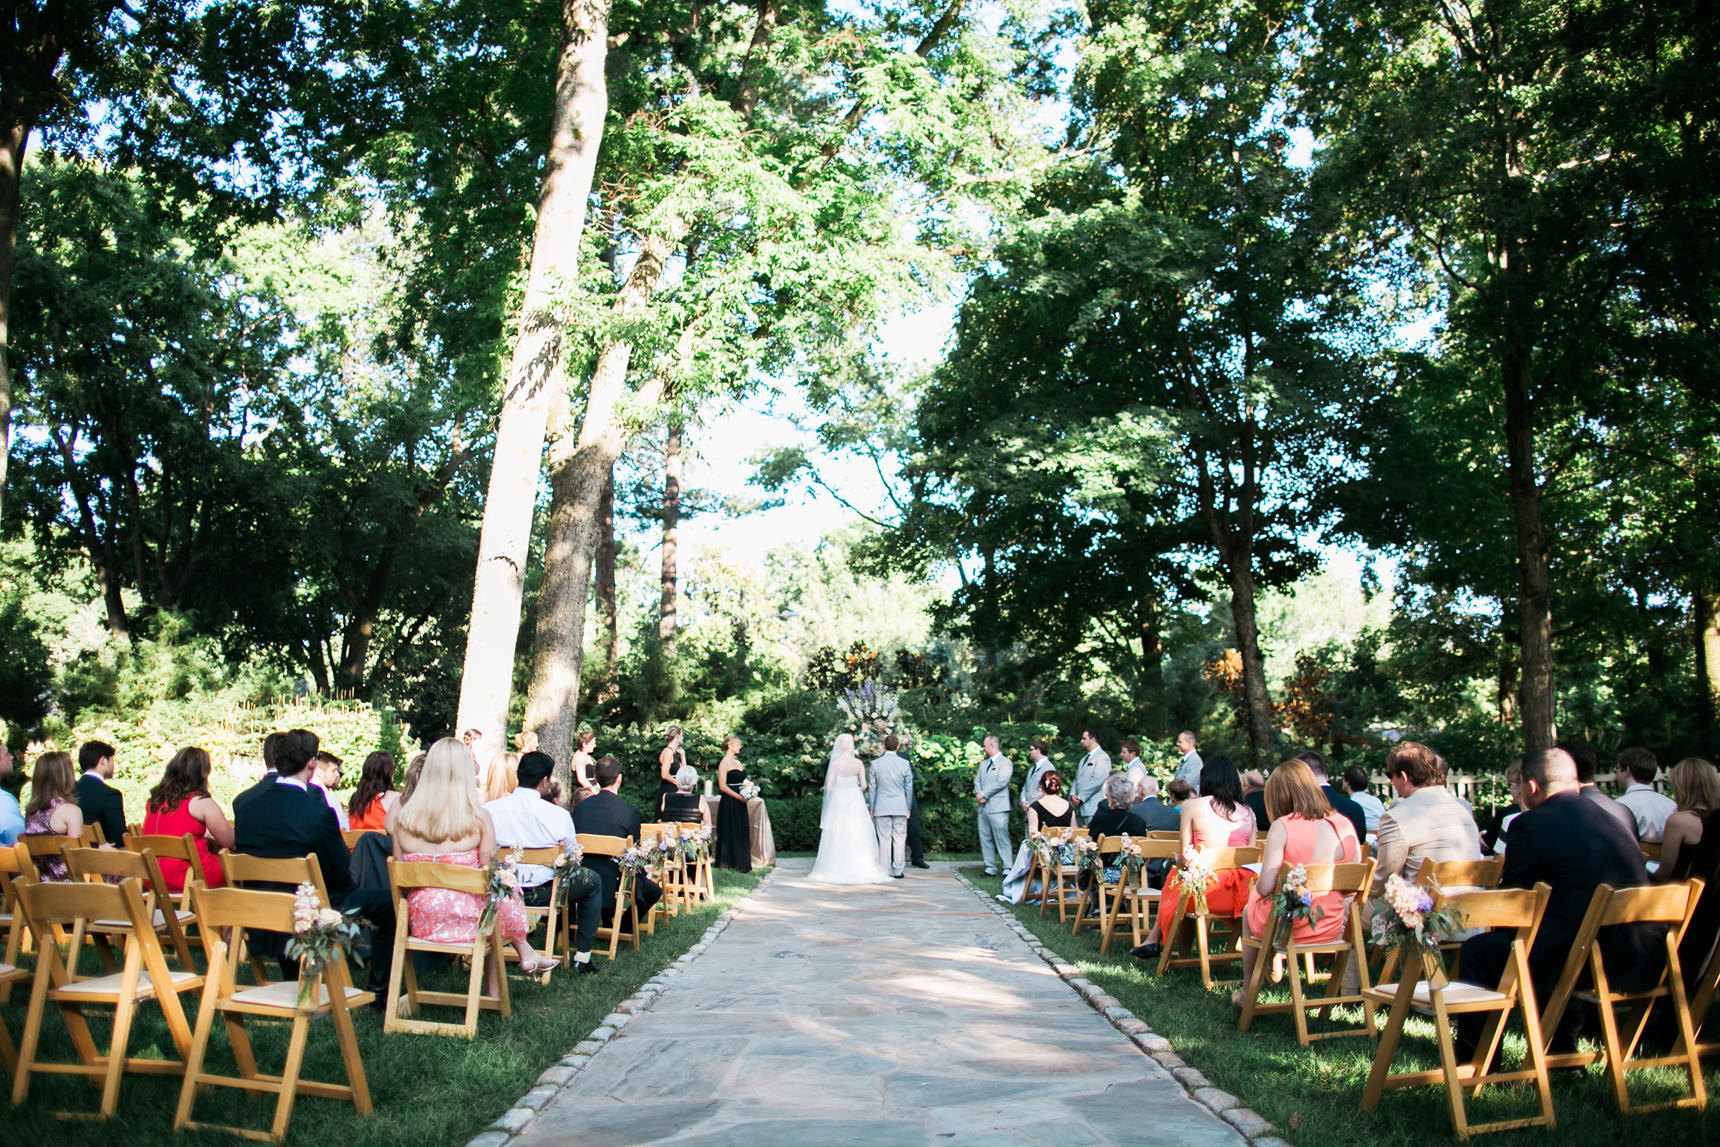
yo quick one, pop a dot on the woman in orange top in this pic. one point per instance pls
(1305, 830)
(374, 798)
(1217, 818)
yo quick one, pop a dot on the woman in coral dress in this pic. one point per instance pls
(442, 820)
(179, 804)
(1217, 818)
(374, 797)
(1305, 830)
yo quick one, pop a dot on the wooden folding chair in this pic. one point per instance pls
(1669, 904)
(92, 865)
(1651, 851)
(403, 877)
(223, 908)
(1451, 877)
(673, 878)
(16, 868)
(552, 933)
(1097, 891)
(1352, 881)
(1060, 881)
(1426, 989)
(704, 881)
(1223, 860)
(183, 848)
(144, 977)
(626, 905)
(353, 835)
(1134, 891)
(271, 874)
(52, 845)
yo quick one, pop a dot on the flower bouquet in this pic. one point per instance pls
(1195, 873)
(1086, 852)
(501, 880)
(748, 790)
(696, 842)
(1294, 902)
(633, 860)
(1049, 848)
(665, 852)
(1405, 917)
(320, 937)
(1130, 858)
(576, 879)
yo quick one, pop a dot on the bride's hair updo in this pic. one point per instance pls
(1051, 784)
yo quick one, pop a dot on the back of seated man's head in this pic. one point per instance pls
(1551, 770)
(1416, 763)
(607, 770)
(1356, 779)
(1641, 764)
(92, 754)
(1149, 787)
(295, 749)
(1588, 762)
(1316, 764)
(533, 769)
(1253, 781)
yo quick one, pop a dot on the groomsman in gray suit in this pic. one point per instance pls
(991, 791)
(1189, 769)
(1039, 756)
(891, 795)
(1090, 777)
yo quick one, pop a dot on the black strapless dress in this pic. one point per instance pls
(734, 833)
(682, 807)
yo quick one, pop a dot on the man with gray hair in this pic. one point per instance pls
(991, 792)
(1154, 813)
(890, 796)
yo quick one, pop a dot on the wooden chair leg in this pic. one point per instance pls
(290, 1077)
(199, 1048)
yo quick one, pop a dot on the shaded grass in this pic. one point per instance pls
(428, 1091)
(1314, 1094)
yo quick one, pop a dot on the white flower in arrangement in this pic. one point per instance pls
(749, 790)
(508, 877)
(329, 916)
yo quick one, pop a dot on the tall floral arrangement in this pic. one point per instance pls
(501, 880)
(1405, 916)
(320, 937)
(1293, 902)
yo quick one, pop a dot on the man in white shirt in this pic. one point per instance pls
(1635, 776)
(1090, 777)
(1135, 768)
(526, 818)
(1189, 770)
(326, 769)
(11, 816)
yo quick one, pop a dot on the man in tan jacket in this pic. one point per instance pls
(1426, 822)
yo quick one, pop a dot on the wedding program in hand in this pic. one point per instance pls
(847, 844)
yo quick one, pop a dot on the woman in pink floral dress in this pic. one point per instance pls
(443, 821)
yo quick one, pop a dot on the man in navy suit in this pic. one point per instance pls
(283, 818)
(606, 814)
(100, 802)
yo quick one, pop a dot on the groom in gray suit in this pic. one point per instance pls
(891, 795)
(991, 790)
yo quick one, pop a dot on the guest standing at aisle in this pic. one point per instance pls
(671, 760)
(734, 833)
(991, 791)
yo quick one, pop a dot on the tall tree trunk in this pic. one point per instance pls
(606, 578)
(1534, 598)
(14, 135)
(1239, 566)
(536, 373)
(666, 619)
(1705, 614)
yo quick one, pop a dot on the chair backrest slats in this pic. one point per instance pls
(603, 845)
(1651, 904)
(164, 847)
(1461, 873)
(404, 874)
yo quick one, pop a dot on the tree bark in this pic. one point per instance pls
(536, 373)
(14, 135)
(606, 578)
(1534, 597)
(666, 619)
(1239, 567)
(1705, 602)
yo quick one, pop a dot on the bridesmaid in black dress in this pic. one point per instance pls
(734, 833)
(670, 761)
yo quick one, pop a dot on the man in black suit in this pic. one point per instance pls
(1339, 801)
(101, 803)
(606, 814)
(283, 818)
(1574, 846)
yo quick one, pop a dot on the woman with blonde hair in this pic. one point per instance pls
(53, 808)
(503, 777)
(1689, 849)
(443, 820)
(1305, 830)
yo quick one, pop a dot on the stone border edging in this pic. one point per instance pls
(516, 1119)
(1254, 1126)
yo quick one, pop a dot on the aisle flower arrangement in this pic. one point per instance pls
(1405, 917)
(576, 879)
(1294, 902)
(1051, 848)
(320, 937)
(501, 880)
(1195, 873)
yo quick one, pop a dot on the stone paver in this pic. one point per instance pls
(903, 1014)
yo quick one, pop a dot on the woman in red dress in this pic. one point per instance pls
(1218, 818)
(179, 804)
(374, 798)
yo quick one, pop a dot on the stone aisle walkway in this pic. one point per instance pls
(897, 1015)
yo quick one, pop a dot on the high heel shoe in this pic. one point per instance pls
(1147, 951)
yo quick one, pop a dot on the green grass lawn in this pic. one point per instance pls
(1314, 1094)
(429, 1091)
(957, 857)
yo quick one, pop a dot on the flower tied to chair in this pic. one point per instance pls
(1050, 848)
(1194, 874)
(633, 861)
(1294, 902)
(320, 936)
(1405, 917)
(576, 880)
(501, 880)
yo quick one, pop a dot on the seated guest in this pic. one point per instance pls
(180, 803)
(1116, 816)
(526, 818)
(1635, 776)
(444, 823)
(325, 772)
(53, 808)
(1317, 764)
(606, 814)
(413, 769)
(502, 776)
(1588, 763)
(1049, 810)
(1425, 823)
(1254, 795)
(280, 817)
(1691, 850)
(1356, 788)
(1177, 794)
(374, 797)
(1574, 845)
(1493, 840)
(11, 812)
(1154, 813)
(684, 805)
(99, 802)
(1305, 830)
(1217, 818)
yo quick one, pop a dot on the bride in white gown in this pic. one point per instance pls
(847, 844)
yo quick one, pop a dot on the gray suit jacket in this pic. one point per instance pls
(1189, 770)
(892, 790)
(1090, 780)
(991, 783)
(1030, 790)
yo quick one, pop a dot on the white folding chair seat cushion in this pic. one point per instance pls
(110, 985)
(160, 921)
(1457, 993)
(285, 995)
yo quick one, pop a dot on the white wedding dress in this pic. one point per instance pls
(847, 843)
